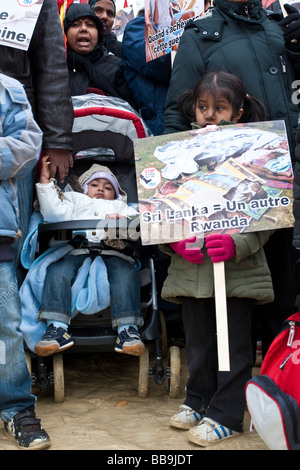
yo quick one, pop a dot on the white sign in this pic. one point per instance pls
(17, 22)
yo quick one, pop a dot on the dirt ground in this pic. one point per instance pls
(102, 410)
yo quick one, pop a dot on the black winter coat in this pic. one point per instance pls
(245, 40)
(43, 72)
(98, 69)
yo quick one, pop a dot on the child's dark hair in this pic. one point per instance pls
(231, 88)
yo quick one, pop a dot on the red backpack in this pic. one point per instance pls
(273, 397)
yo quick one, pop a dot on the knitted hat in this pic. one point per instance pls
(82, 10)
(93, 3)
(99, 171)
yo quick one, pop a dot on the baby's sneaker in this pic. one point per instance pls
(209, 432)
(53, 341)
(129, 342)
(185, 418)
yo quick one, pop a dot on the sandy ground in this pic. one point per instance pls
(102, 410)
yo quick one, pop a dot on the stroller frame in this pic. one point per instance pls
(87, 336)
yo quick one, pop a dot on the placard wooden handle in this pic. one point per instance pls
(221, 316)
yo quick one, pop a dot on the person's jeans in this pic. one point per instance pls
(123, 278)
(25, 200)
(15, 381)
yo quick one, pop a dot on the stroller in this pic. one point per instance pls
(103, 132)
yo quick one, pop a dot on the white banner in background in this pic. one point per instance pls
(17, 22)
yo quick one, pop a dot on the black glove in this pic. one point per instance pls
(291, 28)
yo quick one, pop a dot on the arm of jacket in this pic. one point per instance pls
(247, 244)
(52, 208)
(76, 206)
(134, 54)
(54, 110)
(148, 81)
(21, 138)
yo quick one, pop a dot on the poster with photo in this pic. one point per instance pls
(17, 22)
(164, 24)
(122, 18)
(220, 179)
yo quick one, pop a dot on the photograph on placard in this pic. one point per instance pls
(220, 179)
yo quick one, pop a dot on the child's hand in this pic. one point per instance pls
(189, 252)
(45, 170)
(220, 247)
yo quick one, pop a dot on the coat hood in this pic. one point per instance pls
(106, 173)
(82, 10)
(245, 11)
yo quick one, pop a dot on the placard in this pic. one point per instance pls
(17, 22)
(220, 179)
(164, 24)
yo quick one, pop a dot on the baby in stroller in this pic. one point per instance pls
(101, 197)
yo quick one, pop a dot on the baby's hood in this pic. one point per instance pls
(96, 168)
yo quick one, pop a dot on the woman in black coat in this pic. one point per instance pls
(90, 65)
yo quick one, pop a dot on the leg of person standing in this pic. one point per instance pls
(217, 394)
(17, 404)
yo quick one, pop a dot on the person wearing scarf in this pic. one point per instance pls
(91, 66)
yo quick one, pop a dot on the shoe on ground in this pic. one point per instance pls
(209, 432)
(185, 418)
(129, 342)
(25, 428)
(53, 341)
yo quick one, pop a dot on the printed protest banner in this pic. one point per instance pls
(164, 24)
(17, 22)
(122, 18)
(226, 179)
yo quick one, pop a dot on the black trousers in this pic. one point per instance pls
(221, 394)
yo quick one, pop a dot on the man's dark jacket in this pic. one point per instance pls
(43, 72)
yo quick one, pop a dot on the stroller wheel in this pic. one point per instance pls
(143, 374)
(58, 373)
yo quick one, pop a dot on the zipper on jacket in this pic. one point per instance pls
(291, 333)
(283, 64)
(247, 12)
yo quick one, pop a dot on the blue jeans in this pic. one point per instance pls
(123, 278)
(25, 199)
(15, 381)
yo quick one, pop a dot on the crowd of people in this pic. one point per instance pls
(237, 63)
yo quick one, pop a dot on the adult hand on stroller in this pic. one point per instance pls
(220, 247)
(61, 161)
(192, 254)
(291, 28)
